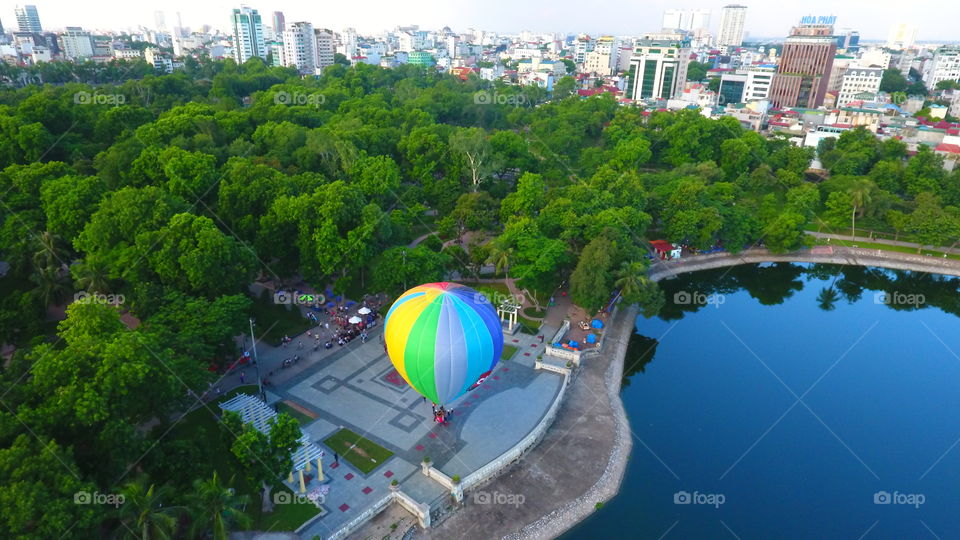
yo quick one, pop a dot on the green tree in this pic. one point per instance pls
(591, 280)
(146, 513)
(266, 457)
(215, 508)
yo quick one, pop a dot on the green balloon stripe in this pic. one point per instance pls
(419, 353)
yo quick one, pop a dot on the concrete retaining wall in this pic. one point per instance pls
(822, 254)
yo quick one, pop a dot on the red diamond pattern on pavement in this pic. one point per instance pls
(432, 435)
(388, 474)
(516, 341)
(505, 369)
(533, 344)
(526, 354)
(496, 377)
(486, 387)
(334, 465)
(344, 507)
(366, 490)
(419, 448)
(348, 476)
(465, 405)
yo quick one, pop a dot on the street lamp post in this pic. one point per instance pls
(253, 342)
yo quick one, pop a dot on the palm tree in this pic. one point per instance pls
(53, 283)
(92, 275)
(143, 515)
(827, 298)
(51, 252)
(631, 279)
(860, 196)
(214, 508)
(501, 257)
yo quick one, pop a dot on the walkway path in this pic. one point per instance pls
(579, 463)
(864, 239)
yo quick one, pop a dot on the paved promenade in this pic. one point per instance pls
(356, 387)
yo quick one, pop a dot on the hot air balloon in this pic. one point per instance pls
(443, 338)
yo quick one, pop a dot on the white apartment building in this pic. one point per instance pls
(686, 19)
(581, 46)
(858, 80)
(127, 54)
(298, 47)
(732, 21)
(76, 43)
(325, 46)
(248, 38)
(602, 60)
(875, 57)
(945, 66)
(659, 64)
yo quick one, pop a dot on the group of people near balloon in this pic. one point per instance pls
(440, 415)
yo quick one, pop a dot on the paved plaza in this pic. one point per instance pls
(356, 387)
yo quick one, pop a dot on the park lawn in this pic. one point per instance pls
(884, 247)
(534, 312)
(346, 443)
(508, 352)
(274, 321)
(200, 427)
(301, 418)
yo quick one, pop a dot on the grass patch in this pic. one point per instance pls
(528, 327)
(534, 312)
(300, 417)
(277, 320)
(362, 453)
(286, 517)
(508, 352)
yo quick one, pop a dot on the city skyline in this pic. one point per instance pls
(764, 20)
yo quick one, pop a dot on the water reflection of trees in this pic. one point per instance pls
(640, 351)
(773, 284)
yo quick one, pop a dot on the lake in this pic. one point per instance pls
(793, 401)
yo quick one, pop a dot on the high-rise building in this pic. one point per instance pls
(247, 35)
(298, 48)
(945, 66)
(28, 19)
(659, 65)
(686, 19)
(902, 36)
(805, 65)
(279, 23)
(325, 46)
(159, 20)
(732, 20)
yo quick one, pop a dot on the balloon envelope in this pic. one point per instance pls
(442, 337)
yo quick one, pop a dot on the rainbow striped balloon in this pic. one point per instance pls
(442, 337)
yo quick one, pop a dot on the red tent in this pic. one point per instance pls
(662, 247)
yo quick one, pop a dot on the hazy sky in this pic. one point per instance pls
(937, 19)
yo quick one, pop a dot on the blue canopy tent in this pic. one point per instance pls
(597, 323)
(591, 338)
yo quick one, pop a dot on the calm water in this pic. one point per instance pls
(789, 401)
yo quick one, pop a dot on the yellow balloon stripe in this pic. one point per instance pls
(401, 321)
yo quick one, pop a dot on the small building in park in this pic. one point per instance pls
(662, 248)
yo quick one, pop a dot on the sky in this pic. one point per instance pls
(937, 19)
